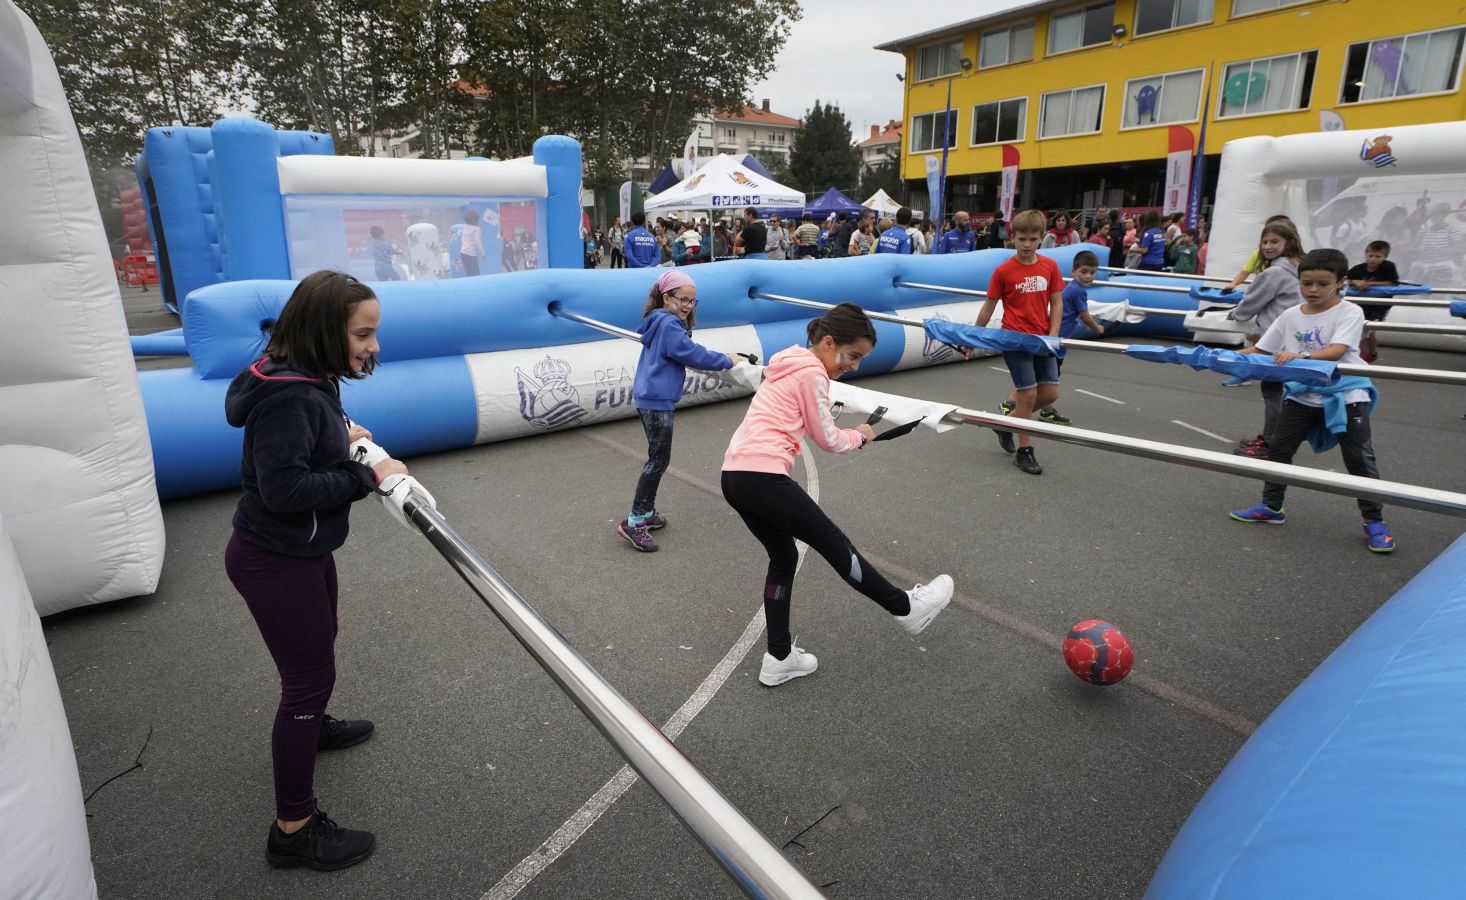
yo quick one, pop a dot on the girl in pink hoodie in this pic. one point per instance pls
(794, 399)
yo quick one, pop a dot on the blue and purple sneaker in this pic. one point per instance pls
(1261, 514)
(1380, 539)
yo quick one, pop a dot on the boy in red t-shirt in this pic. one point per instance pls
(1031, 289)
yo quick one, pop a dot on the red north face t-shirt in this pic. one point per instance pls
(1025, 292)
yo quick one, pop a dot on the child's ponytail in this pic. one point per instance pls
(846, 323)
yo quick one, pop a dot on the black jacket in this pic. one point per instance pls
(298, 483)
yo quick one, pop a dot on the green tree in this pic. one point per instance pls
(884, 174)
(823, 154)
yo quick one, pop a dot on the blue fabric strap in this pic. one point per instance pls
(997, 339)
(1458, 308)
(1325, 435)
(1389, 290)
(1258, 366)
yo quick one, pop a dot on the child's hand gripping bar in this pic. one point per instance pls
(394, 489)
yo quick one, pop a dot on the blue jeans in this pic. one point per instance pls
(755, 255)
(1028, 371)
(657, 423)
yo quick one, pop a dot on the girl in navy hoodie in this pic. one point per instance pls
(298, 489)
(667, 349)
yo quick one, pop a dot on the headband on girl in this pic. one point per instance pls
(672, 279)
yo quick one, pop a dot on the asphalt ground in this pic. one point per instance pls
(966, 762)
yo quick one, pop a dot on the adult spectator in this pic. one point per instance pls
(1101, 216)
(807, 236)
(840, 241)
(895, 239)
(960, 239)
(755, 236)
(616, 236)
(639, 245)
(778, 239)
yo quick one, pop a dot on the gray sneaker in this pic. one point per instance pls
(638, 537)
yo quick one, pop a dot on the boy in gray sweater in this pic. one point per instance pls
(1268, 296)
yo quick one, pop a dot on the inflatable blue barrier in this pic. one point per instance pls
(1458, 308)
(160, 343)
(1351, 788)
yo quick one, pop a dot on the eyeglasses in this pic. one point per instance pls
(690, 301)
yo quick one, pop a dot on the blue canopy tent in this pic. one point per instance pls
(832, 201)
(666, 179)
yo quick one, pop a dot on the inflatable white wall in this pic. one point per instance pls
(76, 468)
(44, 850)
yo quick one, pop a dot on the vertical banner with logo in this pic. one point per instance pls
(624, 201)
(1008, 192)
(1328, 120)
(1179, 146)
(686, 164)
(947, 137)
(1198, 169)
(934, 187)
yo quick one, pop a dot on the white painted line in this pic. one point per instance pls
(1210, 434)
(998, 368)
(1098, 396)
(575, 827)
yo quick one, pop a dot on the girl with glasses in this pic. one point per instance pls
(667, 349)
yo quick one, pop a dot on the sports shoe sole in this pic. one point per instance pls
(1236, 518)
(1382, 550)
(626, 537)
(657, 527)
(294, 862)
(784, 677)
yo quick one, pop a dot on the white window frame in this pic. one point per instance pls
(1280, 4)
(1163, 75)
(1308, 101)
(954, 135)
(1022, 122)
(1135, 25)
(1031, 25)
(1082, 10)
(917, 61)
(1344, 75)
(1043, 98)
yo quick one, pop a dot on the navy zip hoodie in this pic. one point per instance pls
(666, 352)
(298, 483)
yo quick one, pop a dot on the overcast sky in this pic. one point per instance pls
(829, 55)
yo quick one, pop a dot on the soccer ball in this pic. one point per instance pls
(1098, 652)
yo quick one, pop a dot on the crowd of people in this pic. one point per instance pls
(1135, 241)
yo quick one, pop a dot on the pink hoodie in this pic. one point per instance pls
(795, 396)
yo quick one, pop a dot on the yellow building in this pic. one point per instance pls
(1085, 91)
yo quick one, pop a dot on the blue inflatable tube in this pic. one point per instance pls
(160, 343)
(471, 360)
(1352, 787)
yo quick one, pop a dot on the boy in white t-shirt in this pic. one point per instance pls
(1324, 327)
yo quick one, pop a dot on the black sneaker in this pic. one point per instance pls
(1007, 407)
(1025, 461)
(320, 843)
(1005, 438)
(1049, 414)
(337, 734)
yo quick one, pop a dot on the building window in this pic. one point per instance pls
(1275, 84)
(1247, 7)
(1081, 27)
(1006, 45)
(926, 131)
(1001, 122)
(730, 134)
(936, 60)
(1162, 99)
(1163, 15)
(1071, 112)
(1401, 66)
(396, 151)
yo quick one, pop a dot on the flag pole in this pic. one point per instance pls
(946, 143)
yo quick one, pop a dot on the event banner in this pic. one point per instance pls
(1009, 190)
(1180, 144)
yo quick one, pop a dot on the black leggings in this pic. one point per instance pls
(657, 423)
(779, 512)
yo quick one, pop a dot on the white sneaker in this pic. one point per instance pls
(926, 601)
(796, 665)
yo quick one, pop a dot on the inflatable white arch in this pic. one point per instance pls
(76, 468)
(1343, 189)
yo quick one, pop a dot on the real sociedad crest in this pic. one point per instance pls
(548, 399)
(693, 183)
(1377, 152)
(742, 179)
(937, 351)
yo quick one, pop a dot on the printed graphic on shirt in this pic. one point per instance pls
(1034, 284)
(1310, 340)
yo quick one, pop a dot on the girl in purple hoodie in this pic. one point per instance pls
(667, 349)
(795, 400)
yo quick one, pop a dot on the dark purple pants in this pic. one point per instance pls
(293, 601)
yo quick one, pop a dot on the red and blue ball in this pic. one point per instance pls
(1098, 652)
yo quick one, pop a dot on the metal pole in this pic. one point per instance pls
(1215, 278)
(1428, 499)
(1394, 373)
(613, 330)
(758, 867)
(1412, 327)
(1176, 289)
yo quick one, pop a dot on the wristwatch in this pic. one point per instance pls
(1306, 354)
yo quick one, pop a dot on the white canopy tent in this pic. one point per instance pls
(724, 183)
(882, 203)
